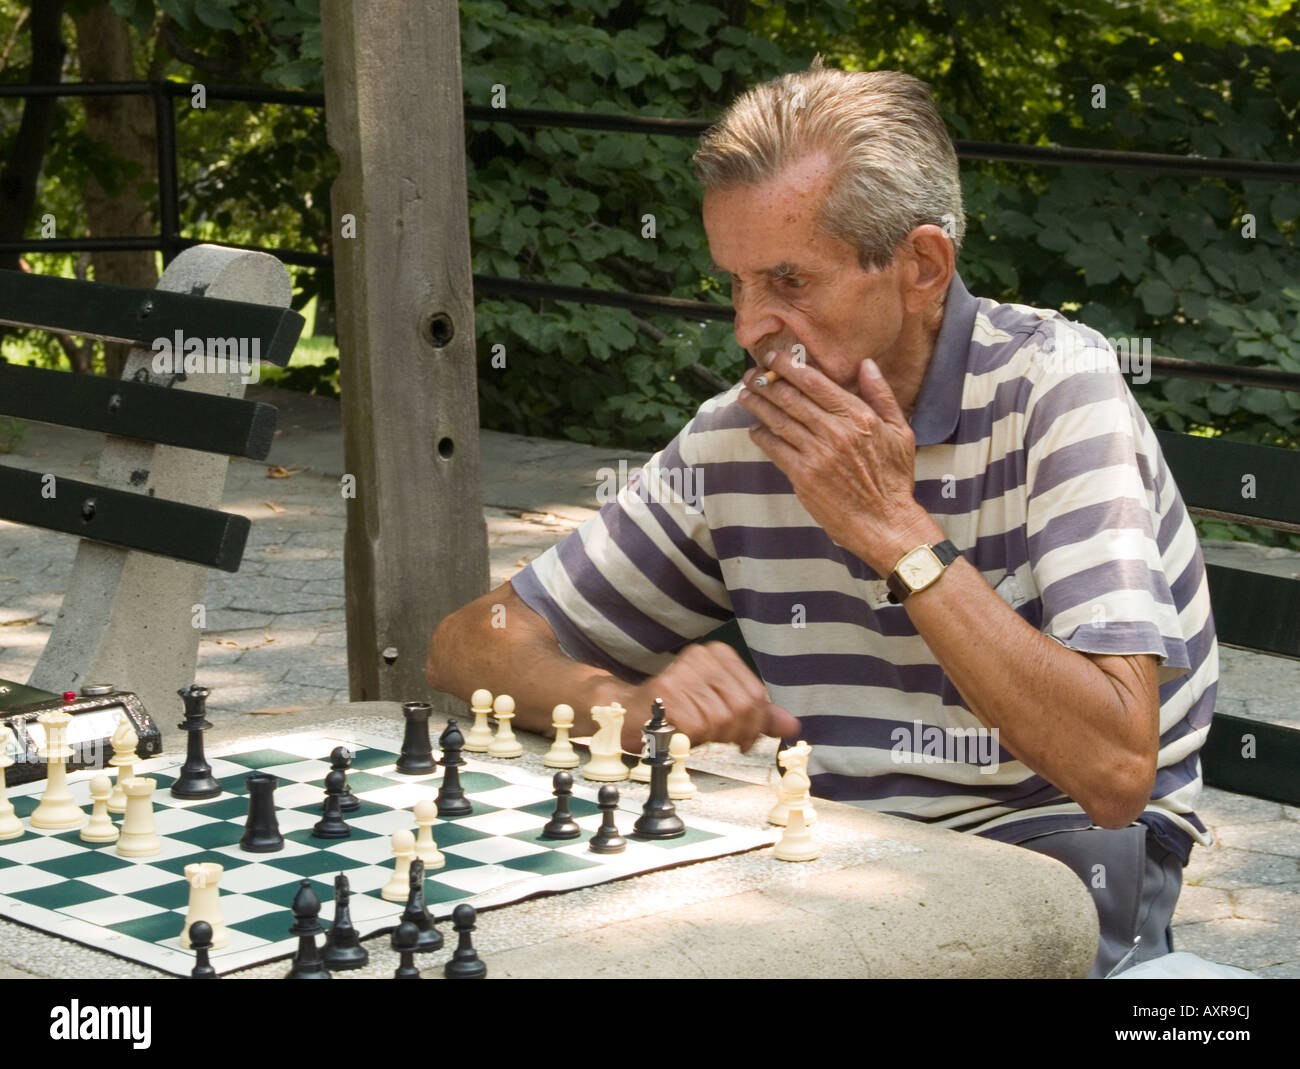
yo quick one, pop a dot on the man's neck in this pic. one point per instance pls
(905, 368)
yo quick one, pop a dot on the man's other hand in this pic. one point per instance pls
(711, 696)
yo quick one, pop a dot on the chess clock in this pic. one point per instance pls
(96, 713)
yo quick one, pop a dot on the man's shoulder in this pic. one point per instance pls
(1016, 338)
(719, 431)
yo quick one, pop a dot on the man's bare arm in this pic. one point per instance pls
(710, 693)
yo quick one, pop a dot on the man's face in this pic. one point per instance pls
(792, 284)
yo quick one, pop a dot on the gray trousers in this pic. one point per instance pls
(1134, 883)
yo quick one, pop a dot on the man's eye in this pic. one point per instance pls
(797, 283)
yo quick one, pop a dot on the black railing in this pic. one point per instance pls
(169, 241)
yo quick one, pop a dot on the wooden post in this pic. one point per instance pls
(416, 545)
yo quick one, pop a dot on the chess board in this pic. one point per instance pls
(135, 907)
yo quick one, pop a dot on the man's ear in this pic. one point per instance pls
(930, 266)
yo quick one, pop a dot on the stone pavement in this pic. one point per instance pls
(275, 638)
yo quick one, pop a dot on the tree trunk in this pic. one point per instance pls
(125, 124)
(21, 170)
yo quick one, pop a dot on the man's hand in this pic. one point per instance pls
(711, 696)
(851, 460)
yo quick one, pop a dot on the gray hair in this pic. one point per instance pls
(894, 166)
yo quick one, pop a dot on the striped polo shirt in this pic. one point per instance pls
(1036, 461)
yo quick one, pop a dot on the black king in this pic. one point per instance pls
(659, 819)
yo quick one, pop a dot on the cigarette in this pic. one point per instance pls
(769, 376)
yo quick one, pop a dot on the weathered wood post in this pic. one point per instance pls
(416, 545)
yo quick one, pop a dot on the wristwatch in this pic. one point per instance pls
(919, 569)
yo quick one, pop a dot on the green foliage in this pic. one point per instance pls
(571, 206)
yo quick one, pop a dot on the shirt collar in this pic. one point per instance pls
(938, 405)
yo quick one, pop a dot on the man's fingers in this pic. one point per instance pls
(877, 394)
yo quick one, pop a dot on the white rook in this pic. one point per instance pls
(57, 811)
(139, 837)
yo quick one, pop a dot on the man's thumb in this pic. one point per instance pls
(780, 723)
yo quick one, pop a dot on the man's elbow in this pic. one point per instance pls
(436, 665)
(1126, 793)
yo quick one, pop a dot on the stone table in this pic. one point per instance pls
(887, 898)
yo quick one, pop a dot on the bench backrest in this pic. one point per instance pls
(1252, 484)
(150, 525)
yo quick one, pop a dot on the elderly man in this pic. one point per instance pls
(930, 528)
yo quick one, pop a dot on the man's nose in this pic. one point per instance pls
(755, 320)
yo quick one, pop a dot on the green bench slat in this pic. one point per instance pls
(139, 410)
(1274, 771)
(1256, 611)
(132, 521)
(1209, 474)
(138, 316)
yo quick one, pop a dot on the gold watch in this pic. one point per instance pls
(919, 569)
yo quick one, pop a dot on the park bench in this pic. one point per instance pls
(1251, 484)
(151, 526)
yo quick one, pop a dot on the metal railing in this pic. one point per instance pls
(169, 241)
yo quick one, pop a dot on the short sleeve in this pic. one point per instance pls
(640, 579)
(1094, 516)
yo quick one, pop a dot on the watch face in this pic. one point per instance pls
(919, 568)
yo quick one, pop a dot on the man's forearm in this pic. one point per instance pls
(521, 659)
(1055, 709)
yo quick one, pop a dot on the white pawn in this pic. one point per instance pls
(797, 843)
(680, 787)
(504, 744)
(101, 828)
(139, 838)
(640, 772)
(426, 812)
(205, 903)
(124, 742)
(399, 887)
(561, 754)
(10, 826)
(57, 810)
(479, 737)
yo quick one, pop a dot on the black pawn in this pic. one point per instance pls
(343, 949)
(307, 963)
(331, 825)
(417, 912)
(195, 779)
(341, 759)
(201, 942)
(658, 819)
(406, 940)
(451, 795)
(608, 839)
(416, 758)
(262, 832)
(464, 963)
(562, 825)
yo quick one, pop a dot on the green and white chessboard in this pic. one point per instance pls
(135, 907)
